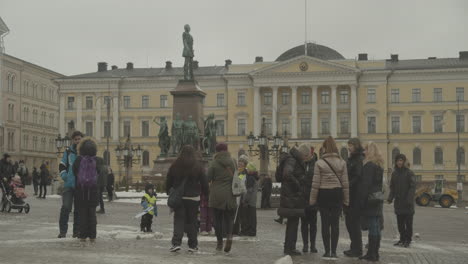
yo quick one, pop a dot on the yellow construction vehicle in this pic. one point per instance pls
(438, 193)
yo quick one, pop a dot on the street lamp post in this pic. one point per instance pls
(61, 143)
(459, 178)
(127, 155)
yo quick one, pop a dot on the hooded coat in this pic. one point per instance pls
(6, 169)
(293, 186)
(354, 167)
(402, 190)
(371, 182)
(66, 165)
(220, 174)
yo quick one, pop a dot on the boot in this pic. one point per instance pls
(370, 249)
(377, 248)
(227, 247)
(313, 249)
(219, 246)
(305, 248)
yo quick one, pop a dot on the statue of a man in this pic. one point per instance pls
(210, 134)
(177, 134)
(188, 53)
(191, 132)
(163, 135)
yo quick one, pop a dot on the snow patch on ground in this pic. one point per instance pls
(284, 260)
(138, 201)
(133, 194)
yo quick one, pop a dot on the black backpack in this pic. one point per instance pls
(280, 168)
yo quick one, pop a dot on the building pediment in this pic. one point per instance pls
(305, 65)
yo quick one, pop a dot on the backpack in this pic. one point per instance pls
(87, 174)
(280, 167)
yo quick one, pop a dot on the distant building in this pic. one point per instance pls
(405, 106)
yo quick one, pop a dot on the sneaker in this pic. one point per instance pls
(174, 248)
(193, 250)
(62, 235)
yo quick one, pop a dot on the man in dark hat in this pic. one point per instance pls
(6, 173)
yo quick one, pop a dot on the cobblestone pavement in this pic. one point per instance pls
(31, 238)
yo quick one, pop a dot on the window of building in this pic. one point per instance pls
(145, 101)
(267, 98)
(241, 98)
(395, 124)
(71, 103)
(127, 128)
(89, 128)
(417, 178)
(395, 96)
(370, 95)
(438, 156)
(43, 118)
(416, 156)
(163, 101)
(344, 153)
(145, 128)
(461, 178)
(126, 101)
(107, 100)
(395, 152)
(460, 123)
(106, 157)
(107, 129)
(344, 125)
(460, 94)
(437, 94)
(325, 126)
(241, 127)
(344, 97)
(268, 127)
(219, 127)
(51, 120)
(285, 98)
(416, 96)
(71, 126)
(220, 100)
(146, 158)
(305, 127)
(416, 124)
(371, 125)
(325, 97)
(285, 127)
(461, 156)
(89, 102)
(438, 128)
(305, 98)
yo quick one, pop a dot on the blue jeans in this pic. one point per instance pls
(374, 226)
(67, 205)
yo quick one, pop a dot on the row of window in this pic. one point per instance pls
(32, 89)
(416, 124)
(438, 156)
(306, 97)
(46, 144)
(437, 95)
(44, 119)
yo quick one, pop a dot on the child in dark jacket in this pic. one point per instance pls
(147, 201)
(90, 177)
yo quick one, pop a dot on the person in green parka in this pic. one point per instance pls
(223, 202)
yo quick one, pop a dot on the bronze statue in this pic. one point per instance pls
(163, 135)
(191, 134)
(177, 134)
(209, 141)
(188, 53)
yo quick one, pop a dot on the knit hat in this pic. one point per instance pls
(221, 147)
(400, 156)
(251, 167)
(244, 159)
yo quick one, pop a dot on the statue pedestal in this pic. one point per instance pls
(188, 101)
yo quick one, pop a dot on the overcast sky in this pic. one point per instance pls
(71, 36)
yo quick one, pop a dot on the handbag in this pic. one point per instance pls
(238, 185)
(375, 198)
(174, 200)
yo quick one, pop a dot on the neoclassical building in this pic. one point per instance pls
(410, 106)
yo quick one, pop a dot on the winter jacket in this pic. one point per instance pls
(36, 176)
(221, 182)
(23, 173)
(402, 190)
(6, 170)
(196, 180)
(68, 159)
(110, 180)
(309, 175)
(325, 178)
(250, 197)
(89, 197)
(45, 175)
(371, 182)
(354, 167)
(293, 186)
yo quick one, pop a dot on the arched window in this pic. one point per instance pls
(106, 157)
(395, 152)
(461, 156)
(416, 156)
(438, 156)
(344, 153)
(145, 158)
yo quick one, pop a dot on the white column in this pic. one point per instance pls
(79, 112)
(294, 111)
(256, 107)
(62, 124)
(274, 110)
(333, 120)
(314, 124)
(98, 118)
(354, 119)
(115, 119)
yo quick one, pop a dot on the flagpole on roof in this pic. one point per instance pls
(305, 27)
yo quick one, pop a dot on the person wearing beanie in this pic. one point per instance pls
(309, 221)
(6, 169)
(402, 192)
(147, 201)
(220, 175)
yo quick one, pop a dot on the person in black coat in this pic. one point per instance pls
(353, 214)
(292, 199)
(44, 176)
(402, 190)
(36, 179)
(309, 221)
(6, 173)
(267, 186)
(372, 209)
(110, 185)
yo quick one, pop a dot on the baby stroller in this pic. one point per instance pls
(13, 196)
